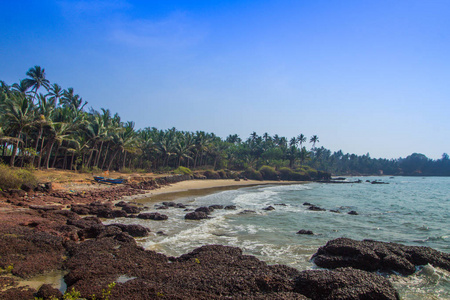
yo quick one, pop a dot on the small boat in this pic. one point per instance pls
(108, 180)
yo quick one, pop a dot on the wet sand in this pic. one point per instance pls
(199, 187)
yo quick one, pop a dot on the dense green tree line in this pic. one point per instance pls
(43, 125)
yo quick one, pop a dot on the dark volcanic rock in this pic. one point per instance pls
(205, 209)
(230, 207)
(46, 291)
(169, 204)
(303, 231)
(153, 216)
(372, 256)
(247, 212)
(180, 205)
(131, 209)
(316, 208)
(133, 229)
(344, 283)
(196, 215)
(216, 206)
(353, 213)
(307, 204)
(269, 208)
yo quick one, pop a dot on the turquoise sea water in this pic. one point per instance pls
(408, 210)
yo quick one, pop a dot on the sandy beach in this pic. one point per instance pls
(194, 186)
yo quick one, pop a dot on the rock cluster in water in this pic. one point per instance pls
(378, 256)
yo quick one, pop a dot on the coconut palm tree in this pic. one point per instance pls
(36, 79)
(301, 139)
(44, 117)
(18, 114)
(314, 139)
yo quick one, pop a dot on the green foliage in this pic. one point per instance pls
(251, 173)
(211, 174)
(11, 178)
(268, 173)
(73, 294)
(126, 170)
(285, 173)
(7, 270)
(183, 170)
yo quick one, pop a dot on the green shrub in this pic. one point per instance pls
(210, 174)
(285, 173)
(14, 178)
(126, 170)
(183, 170)
(251, 173)
(269, 173)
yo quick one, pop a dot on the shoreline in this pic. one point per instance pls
(52, 238)
(197, 185)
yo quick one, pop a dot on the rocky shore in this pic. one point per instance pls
(46, 231)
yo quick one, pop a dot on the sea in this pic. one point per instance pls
(406, 210)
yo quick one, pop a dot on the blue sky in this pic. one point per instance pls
(365, 76)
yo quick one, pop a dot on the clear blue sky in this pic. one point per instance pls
(365, 76)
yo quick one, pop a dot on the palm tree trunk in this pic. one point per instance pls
(47, 159)
(112, 159)
(106, 155)
(56, 156)
(16, 145)
(37, 144)
(65, 158)
(97, 157)
(40, 153)
(90, 156)
(71, 161)
(124, 159)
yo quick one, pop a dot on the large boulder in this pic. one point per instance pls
(344, 283)
(196, 215)
(205, 209)
(372, 256)
(133, 229)
(153, 216)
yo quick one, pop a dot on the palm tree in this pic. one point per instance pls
(301, 139)
(44, 117)
(36, 80)
(314, 139)
(18, 113)
(55, 93)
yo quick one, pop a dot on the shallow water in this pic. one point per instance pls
(408, 210)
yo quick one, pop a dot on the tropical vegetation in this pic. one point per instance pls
(43, 125)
